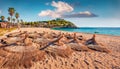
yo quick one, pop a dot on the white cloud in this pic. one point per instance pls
(86, 13)
(80, 14)
(50, 13)
(60, 9)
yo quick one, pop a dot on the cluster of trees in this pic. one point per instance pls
(60, 23)
(30, 24)
(49, 24)
(10, 19)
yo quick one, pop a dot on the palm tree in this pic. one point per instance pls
(11, 12)
(21, 21)
(17, 16)
(8, 19)
(13, 20)
(18, 21)
(2, 18)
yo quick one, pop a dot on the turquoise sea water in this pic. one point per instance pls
(97, 30)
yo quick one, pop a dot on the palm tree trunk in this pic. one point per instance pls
(11, 19)
(17, 20)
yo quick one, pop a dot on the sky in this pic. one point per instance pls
(83, 13)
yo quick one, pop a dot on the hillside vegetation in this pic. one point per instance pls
(49, 24)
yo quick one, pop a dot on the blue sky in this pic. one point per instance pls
(83, 13)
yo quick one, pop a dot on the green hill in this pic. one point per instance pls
(50, 24)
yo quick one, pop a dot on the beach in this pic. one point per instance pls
(79, 59)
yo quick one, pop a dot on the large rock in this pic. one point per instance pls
(11, 40)
(99, 48)
(28, 42)
(79, 47)
(13, 34)
(62, 51)
(34, 35)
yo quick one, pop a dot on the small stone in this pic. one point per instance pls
(72, 65)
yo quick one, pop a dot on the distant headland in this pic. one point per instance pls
(58, 22)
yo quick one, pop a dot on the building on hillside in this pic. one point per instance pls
(4, 24)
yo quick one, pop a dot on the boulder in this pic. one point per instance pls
(99, 48)
(79, 47)
(28, 42)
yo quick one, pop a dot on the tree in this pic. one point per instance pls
(18, 21)
(8, 19)
(21, 21)
(13, 20)
(11, 12)
(2, 18)
(17, 16)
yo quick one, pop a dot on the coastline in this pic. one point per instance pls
(101, 38)
(79, 33)
(113, 31)
(86, 35)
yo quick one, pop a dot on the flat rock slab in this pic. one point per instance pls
(20, 49)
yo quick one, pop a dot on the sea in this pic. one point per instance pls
(94, 30)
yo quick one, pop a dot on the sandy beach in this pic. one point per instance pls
(78, 59)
